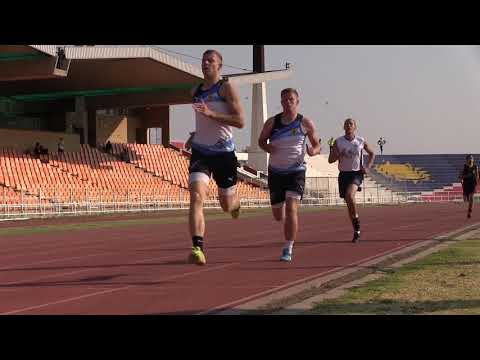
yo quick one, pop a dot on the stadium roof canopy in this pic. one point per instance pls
(107, 76)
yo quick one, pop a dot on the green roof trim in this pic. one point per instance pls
(100, 92)
(20, 56)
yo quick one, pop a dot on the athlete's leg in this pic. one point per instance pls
(198, 193)
(228, 198)
(225, 175)
(290, 227)
(291, 217)
(470, 204)
(350, 200)
(277, 196)
(352, 210)
(278, 211)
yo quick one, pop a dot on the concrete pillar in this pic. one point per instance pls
(69, 122)
(166, 127)
(92, 127)
(257, 158)
(81, 116)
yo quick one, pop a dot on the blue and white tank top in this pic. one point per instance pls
(289, 141)
(212, 137)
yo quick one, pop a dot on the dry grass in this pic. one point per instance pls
(447, 282)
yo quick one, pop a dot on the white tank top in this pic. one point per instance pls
(350, 153)
(211, 136)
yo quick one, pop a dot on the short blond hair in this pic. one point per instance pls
(350, 119)
(216, 52)
(289, 91)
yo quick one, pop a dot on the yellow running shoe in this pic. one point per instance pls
(197, 256)
(235, 213)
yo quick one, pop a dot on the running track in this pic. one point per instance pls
(141, 269)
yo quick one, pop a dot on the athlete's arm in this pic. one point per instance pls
(235, 118)
(312, 134)
(193, 90)
(371, 154)
(188, 143)
(265, 134)
(334, 154)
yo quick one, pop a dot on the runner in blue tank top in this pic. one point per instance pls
(287, 133)
(217, 109)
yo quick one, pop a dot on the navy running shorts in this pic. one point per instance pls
(346, 178)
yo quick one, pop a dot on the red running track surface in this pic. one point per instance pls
(142, 269)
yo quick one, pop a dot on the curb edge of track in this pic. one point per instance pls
(300, 298)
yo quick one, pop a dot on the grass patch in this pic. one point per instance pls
(443, 283)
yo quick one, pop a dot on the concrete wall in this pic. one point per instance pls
(159, 117)
(26, 139)
(118, 129)
(113, 128)
(134, 122)
(318, 166)
(124, 129)
(152, 117)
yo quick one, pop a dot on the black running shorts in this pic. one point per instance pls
(346, 178)
(280, 184)
(223, 167)
(468, 188)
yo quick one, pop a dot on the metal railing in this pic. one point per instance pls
(64, 200)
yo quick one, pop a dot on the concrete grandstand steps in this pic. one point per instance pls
(318, 166)
(322, 180)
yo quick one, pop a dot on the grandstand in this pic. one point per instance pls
(154, 173)
(153, 176)
(433, 177)
(89, 95)
(322, 183)
(97, 94)
(393, 178)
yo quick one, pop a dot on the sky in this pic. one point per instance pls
(422, 99)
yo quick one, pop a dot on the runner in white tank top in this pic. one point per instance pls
(348, 150)
(351, 152)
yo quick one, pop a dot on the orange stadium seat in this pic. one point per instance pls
(155, 171)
